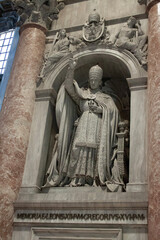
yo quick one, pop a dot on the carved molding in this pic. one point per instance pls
(137, 83)
(76, 233)
(42, 12)
(46, 95)
(123, 56)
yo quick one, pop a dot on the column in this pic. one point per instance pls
(154, 119)
(16, 117)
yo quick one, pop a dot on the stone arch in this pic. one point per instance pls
(127, 65)
(118, 64)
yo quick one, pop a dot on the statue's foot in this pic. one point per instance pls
(64, 182)
(73, 182)
(81, 182)
(94, 183)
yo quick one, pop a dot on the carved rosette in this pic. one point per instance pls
(38, 11)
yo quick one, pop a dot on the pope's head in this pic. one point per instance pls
(95, 77)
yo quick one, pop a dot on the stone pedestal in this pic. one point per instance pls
(15, 119)
(81, 213)
(154, 120)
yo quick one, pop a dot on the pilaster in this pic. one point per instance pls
(138, 162)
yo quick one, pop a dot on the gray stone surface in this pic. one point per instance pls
(138, 165)
(97, 209)
(81, 198)
(38, 146)
(110, 10)
(24, 233)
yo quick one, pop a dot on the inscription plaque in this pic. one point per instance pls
(74, 216)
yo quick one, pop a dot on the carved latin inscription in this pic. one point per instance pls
(81, 216)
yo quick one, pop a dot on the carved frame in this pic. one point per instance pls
(76, 233)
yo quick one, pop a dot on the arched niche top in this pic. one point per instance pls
(116, 64)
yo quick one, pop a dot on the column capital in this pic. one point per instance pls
(38, 11)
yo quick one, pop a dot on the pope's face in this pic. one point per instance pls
(94, 81)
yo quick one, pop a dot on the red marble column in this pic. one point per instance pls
(15, 119)
(154, 120)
